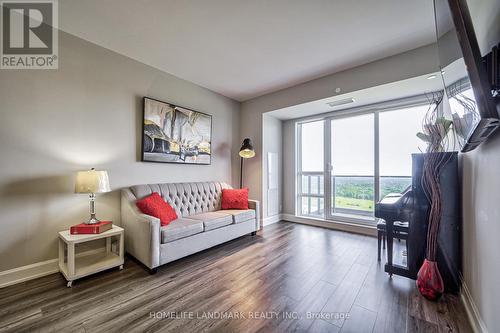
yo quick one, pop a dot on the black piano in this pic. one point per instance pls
(413, 206)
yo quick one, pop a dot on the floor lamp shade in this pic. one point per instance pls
(246, 151)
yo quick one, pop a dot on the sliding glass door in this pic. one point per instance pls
(347, 163)
(352, 166)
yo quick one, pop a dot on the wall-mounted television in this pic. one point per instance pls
(473, 109)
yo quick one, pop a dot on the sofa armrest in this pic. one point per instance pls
(255, 205)
(142, 232)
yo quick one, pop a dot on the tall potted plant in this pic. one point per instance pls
(436, 133)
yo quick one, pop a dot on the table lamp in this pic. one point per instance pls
(246, 151)
(92, 182)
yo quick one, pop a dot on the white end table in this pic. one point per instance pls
(76, 265)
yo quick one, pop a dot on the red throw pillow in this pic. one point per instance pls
(235, 199)
(154, 205)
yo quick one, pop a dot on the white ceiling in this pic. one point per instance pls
(243, 49)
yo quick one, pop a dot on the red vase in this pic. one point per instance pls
(429, 281)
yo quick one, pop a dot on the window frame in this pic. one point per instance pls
(374, 109)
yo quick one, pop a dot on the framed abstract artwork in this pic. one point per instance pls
(174, 134)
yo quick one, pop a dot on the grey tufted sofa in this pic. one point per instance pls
(201, 223)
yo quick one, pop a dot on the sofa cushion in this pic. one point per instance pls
(235, 198)
(180, 228)
(155, 206)
(213, 220)
(240, 215)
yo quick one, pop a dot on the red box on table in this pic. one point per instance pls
(96, 228)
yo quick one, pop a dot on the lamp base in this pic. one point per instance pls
(92, 220)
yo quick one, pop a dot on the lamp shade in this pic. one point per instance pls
(92, 181)
(246, 150)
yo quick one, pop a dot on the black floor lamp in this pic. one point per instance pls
(246, 151)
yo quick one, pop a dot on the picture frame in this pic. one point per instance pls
(175, 134)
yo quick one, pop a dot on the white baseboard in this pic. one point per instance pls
(271, 219)
(28, 272)
(36, 270)
(343, 226)
(477, 323)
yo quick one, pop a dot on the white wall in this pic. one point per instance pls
(481, 194)
(88, 114)
(272, 142)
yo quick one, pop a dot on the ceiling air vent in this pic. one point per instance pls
(341, 102)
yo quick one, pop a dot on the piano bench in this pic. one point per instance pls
(400, 231)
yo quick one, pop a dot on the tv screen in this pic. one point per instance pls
(464, 76)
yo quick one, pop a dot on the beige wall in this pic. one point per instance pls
(88, 114)
(481, 194)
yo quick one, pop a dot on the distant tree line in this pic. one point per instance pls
(363, 187)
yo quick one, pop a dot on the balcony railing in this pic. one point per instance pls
(351, 194)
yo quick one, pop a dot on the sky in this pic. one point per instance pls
(353, 143)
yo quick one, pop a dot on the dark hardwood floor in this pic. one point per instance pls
(285, 272)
